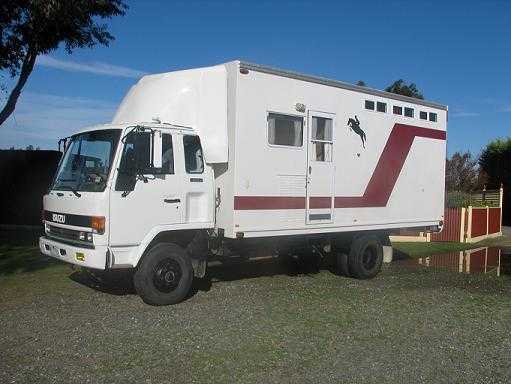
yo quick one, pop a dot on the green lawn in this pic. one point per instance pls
(255, 322)
(413, 249)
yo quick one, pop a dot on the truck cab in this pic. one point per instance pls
(120, 187)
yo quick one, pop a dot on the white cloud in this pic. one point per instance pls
(464, 114)
(96, 67)
(41, 119)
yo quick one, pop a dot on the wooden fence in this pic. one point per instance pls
(453, 226)
(469, 224)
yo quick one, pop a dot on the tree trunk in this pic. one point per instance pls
(26, 70)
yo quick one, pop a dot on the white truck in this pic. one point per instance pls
(221, 160)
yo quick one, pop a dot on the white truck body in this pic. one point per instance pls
(284, 154)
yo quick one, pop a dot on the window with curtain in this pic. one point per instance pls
(285, 130)
(321, 137)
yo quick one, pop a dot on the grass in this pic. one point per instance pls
(16, 259)
(257, 323)
(416, 249)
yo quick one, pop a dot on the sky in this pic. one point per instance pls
(458, 54)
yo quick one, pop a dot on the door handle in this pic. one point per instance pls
(310, 169)
(170, 201)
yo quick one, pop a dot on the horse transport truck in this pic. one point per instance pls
(208, 163)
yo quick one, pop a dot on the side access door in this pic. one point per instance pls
(320, 167)
(156, 197)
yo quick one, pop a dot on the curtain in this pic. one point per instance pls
(271, 130)
(298, 131)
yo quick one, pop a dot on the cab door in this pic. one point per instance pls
(197, 182)
(320, 167)
(156, 198)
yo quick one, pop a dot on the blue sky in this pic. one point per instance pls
(458, 53)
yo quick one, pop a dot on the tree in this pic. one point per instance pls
(361, 83)
(401, 88)
(495, 161)
(462, 173)
(29, 28)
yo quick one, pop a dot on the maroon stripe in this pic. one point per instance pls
(389, 167)
(379, 188)
(320, 202)
(268, 202)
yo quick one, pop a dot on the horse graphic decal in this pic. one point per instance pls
(354, 125)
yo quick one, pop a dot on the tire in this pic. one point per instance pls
(341, 263)
(164, 275)
(366, 257)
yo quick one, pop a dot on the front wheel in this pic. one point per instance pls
(164, 276)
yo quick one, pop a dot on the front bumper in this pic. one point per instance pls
(91, 258)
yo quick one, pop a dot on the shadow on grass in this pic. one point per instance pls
(21, 259)
(120, 283)
(117, 283)
(236, 271)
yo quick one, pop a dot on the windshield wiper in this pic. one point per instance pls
(67, 188)
(75, 192)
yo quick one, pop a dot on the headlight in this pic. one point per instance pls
(85, 236)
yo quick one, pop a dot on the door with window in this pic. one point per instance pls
(320, 167)
(155, 198)
(197, 187)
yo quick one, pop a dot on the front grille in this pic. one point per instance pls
(64, 233)
(70, 236)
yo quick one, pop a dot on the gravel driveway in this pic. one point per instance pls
(258, 323)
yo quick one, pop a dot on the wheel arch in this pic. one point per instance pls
(181, 237)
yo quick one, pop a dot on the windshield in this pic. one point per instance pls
(87, 161)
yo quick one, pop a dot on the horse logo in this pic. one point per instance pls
(354, 125)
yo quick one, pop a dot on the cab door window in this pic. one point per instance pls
(194, 161)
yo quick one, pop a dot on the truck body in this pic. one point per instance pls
(241, 151)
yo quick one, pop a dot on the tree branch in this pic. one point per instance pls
(26, 70)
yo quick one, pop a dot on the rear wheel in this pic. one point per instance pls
(341, 264)
(365, 257)
(164, 275)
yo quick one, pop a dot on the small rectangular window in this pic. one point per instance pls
(423, 115)
(194, 163)
(370, 105)
(381, 107)
(285, 130)
(397, 110)
(408, 112)
(432, 117)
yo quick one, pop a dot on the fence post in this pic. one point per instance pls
(487, 220)
(469, 224)
(462, 225)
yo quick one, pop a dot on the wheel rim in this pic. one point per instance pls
(369, 258)
(167, 275)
